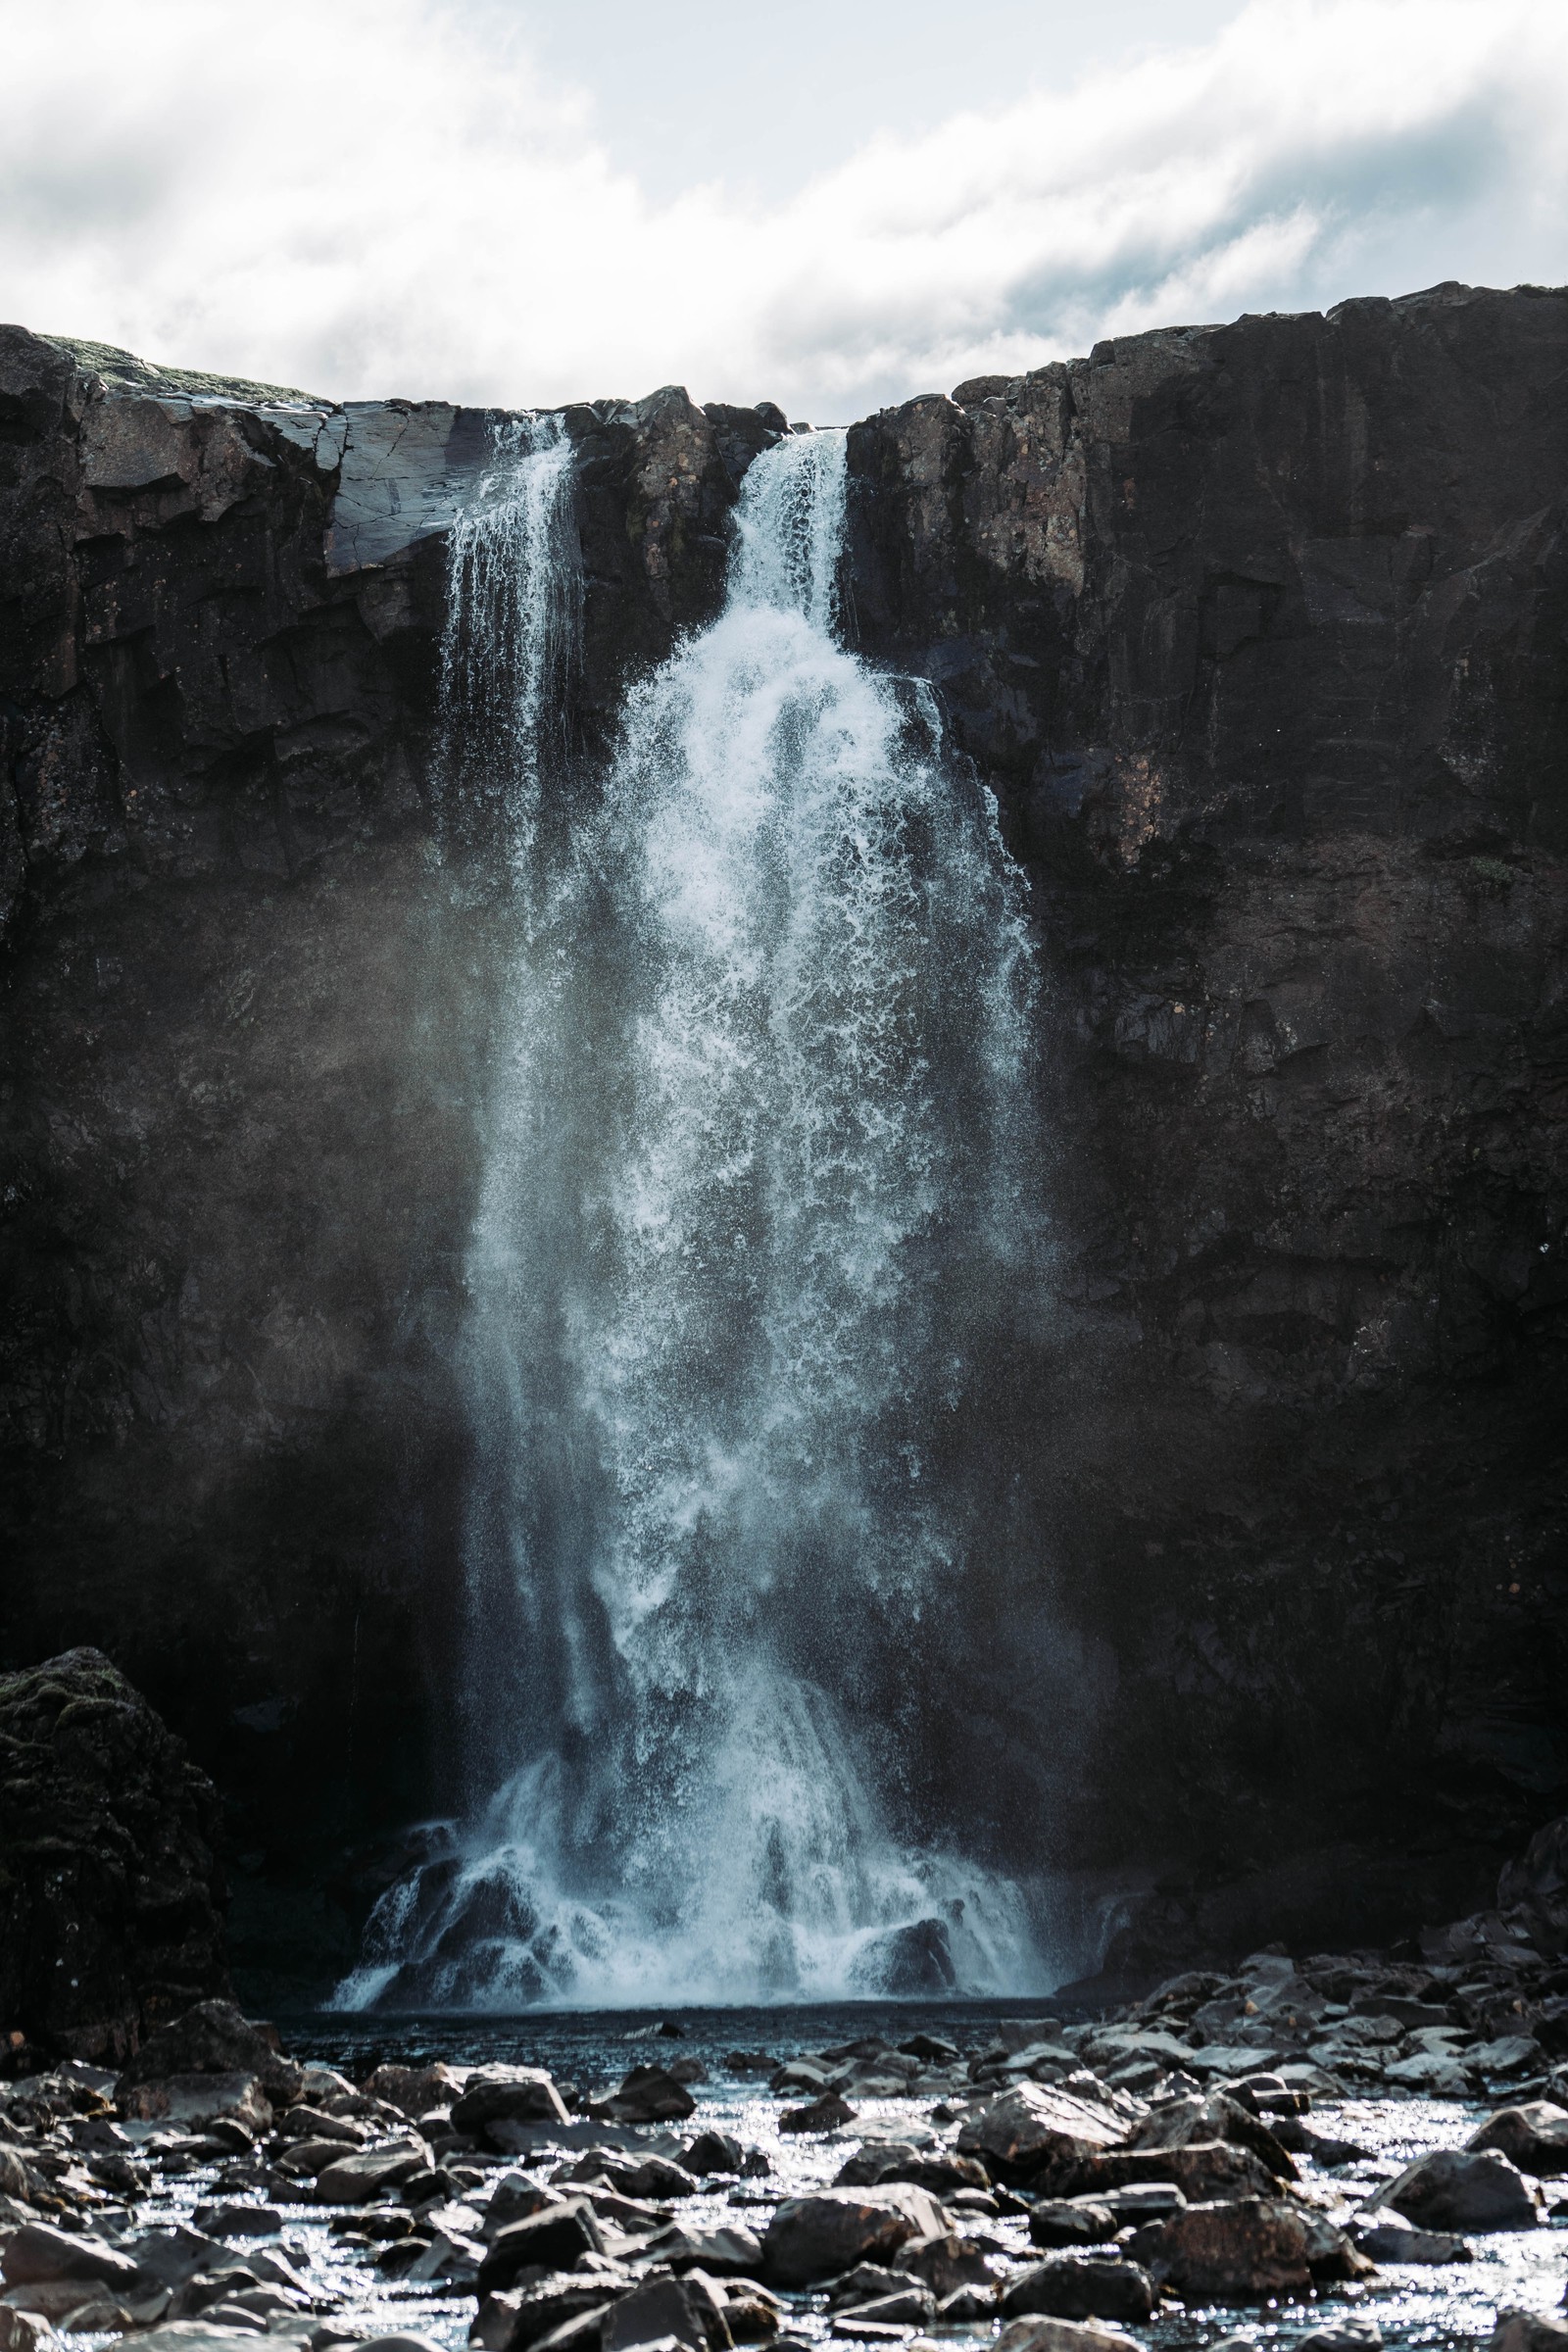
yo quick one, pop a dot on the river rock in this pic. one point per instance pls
(1204, 2171)
(826, 2114)
(713, 2152)
(1245, 2251)
(26, 2331)
(416, 2089)
(514, 2095)
(37, 2253)
(1035, 2126)
(551, 2239)
(1070, 2222)
(1534, 2137)
(1073, 2288)
(1043, 2334)
(725, 2249)
(513, 2319)
(662, 2311)
(196, 2100)
(1459, 2189)
(1528, 2332)
(649, 2094)
(214, 2037)
(356, 2178)
(1184, 2123)
(820, 2236)
(1387, 2237)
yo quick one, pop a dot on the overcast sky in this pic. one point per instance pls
(827, 203)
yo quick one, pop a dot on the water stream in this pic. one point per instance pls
(759, 1157)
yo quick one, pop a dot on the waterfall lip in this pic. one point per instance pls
(754, 1148)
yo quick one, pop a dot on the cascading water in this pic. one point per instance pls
(756, 1193)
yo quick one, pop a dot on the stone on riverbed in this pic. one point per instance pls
(1534, 2137)
(510, 2094)
(1205, 2172)
(826, 2114)
(1387, 2237)
(1073, 2288)
(1070, 2222)
(416, 2089)
(649, 2094)
(713, 2152)
(215, 2037)
(551, 2239)
(37, 2253)
(198, 2098)
(1186, 2122)
(1247, 2251)
(1527, 2332)
(26, 2331)
(1034, 2126)
(355, 2179)
(818, 2236)
(1042, 2335)
(516, 2318)
(1455, 2188)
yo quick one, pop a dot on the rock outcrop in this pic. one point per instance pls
(1257, 632)
(110, 1896)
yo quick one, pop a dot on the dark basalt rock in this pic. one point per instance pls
(111, 1897)
(1258, 634)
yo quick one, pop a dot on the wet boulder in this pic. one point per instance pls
(367, 2173)
(38, 2254)
(821, 2236)
(1039, 2333)
(726, 2250)
(214, 2037)
(196, 2100)
(713, 2152)
(109, 1836)
(1073, 2288)
(1035, 2124)
(506, 2094)
(1204, 2171)
(1062, 2221)
(1245, 2251)
(1532, 2135)
(26, 2331)
(514, 2319)
(1388, 2238)
(827, 2113)
(416, 2089)
(655, 2179)
(665, 2311)
(551, 2239)
(649, 2094)
(1459, 2189)
(1528, 2332)
(1185, 2123)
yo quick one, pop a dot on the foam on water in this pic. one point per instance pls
(757, 1163)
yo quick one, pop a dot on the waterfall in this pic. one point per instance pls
(758, 1154)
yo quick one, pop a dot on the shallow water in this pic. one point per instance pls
(1416, 2306)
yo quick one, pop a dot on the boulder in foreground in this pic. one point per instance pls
(110, 1838)
(819, 2236)
(1457, 2188)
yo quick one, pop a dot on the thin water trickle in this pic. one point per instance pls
(758, 1159)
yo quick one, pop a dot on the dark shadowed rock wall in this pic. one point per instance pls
(1260, 634)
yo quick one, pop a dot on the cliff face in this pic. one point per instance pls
(1260, 634)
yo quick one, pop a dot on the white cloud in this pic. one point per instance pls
(381, 197)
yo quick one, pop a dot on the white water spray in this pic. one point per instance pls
(757, 1167)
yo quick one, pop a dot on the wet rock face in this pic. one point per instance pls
(110, 1896)
(1258, 631)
